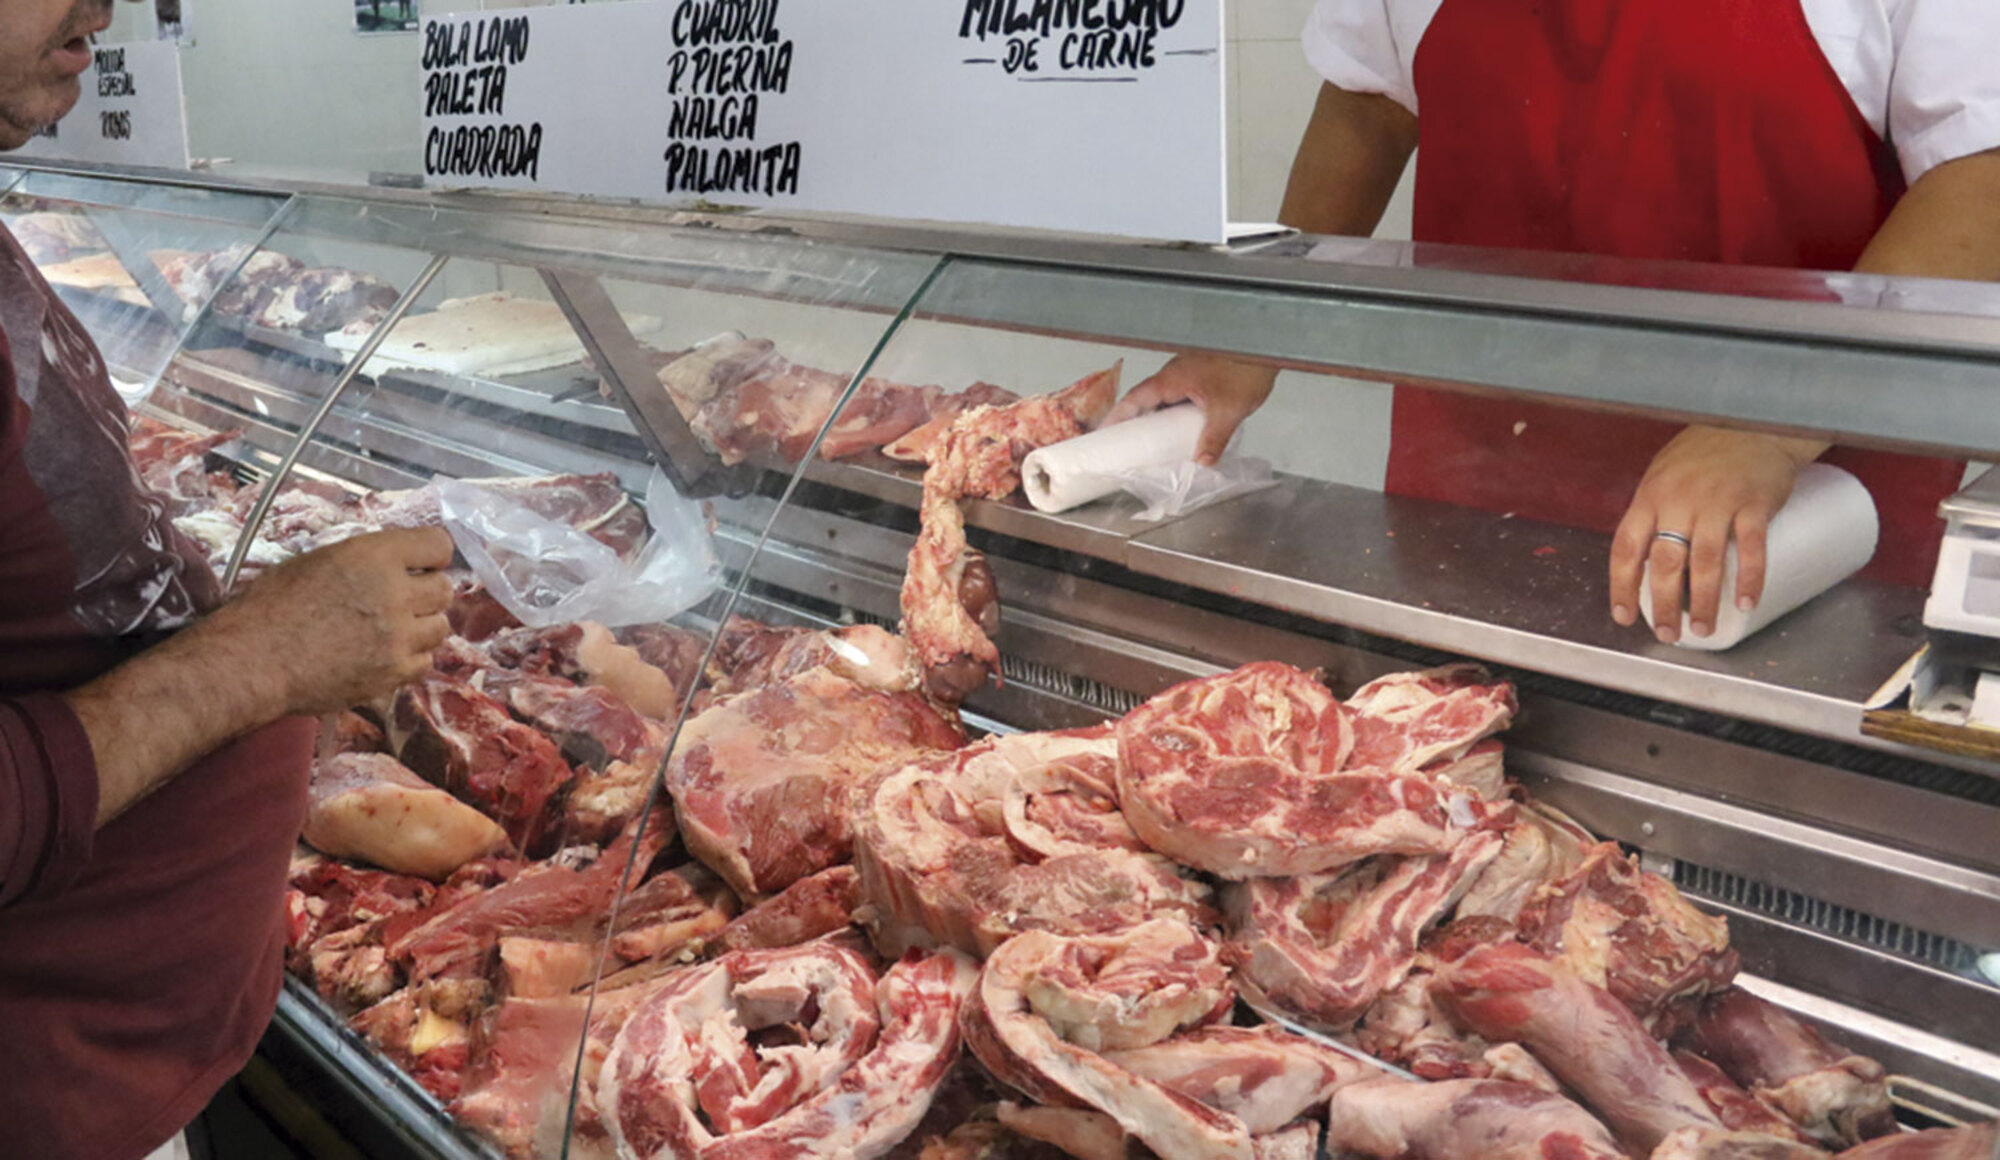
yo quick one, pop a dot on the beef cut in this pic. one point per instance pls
(1323, 947)
(1471, 1119)
(763, 781)
(1630, 932)
(949, 602)
(1048, 1008)
(1015, 832)
(457, 737)
(782, 1053)
(1261, 773)
(1591, 1041)
(1838, 1098)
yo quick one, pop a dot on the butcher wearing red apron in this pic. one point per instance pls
(1695, 130)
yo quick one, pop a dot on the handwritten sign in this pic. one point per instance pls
(1102, 116)
(131, 111)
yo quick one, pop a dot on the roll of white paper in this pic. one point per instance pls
(1825, 533)
(1074, 472)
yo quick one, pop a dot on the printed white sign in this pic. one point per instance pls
(131, 111)
(1102, 116)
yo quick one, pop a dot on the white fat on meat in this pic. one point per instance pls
(1470, 1119)
(1016, 832)
(1541, 847)
(1323, 947)
(370, 807)
(1040, 993)
(682, 1079)
(1262, 773)
(1265, 1076)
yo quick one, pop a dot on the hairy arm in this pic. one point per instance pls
(325, 631)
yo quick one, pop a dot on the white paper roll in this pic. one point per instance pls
(1825, 533)
(1074, 472)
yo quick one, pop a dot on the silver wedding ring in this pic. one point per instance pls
(1674, 538)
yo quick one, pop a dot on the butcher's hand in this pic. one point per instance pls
(1228, 391)
(317, 634)
(350, 622)
(1709, 485)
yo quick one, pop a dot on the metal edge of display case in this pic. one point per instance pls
(1832, 867)
(1297, 262)
(1449, 327)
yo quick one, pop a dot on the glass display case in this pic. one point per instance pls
(685, 460)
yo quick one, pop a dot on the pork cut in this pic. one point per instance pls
(1630, 932)
(1255, 773)
(369, 806)
(1323, 947)
(1014, 832)
(1468, 1119)
(1048, 1007)
(1838, 1098)
(1591, 1041)
(763, 781)
(793, 1052)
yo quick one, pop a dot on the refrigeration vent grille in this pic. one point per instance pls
(1837, 921)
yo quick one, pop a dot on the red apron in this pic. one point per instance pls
(1700, 130)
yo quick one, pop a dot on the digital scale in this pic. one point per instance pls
(1957, 678)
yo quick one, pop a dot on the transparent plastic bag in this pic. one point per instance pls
(1177, 489)
(546, 572)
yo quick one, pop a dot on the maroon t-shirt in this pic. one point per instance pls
(139, 963)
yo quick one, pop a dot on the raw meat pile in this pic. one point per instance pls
(847, 929)
(744, 399)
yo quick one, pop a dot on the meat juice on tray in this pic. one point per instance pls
(852, 910)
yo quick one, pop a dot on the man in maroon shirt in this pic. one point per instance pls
(153, 764)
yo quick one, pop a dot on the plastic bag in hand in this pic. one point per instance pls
(548, 573)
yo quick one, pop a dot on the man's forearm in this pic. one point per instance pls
(154, 715)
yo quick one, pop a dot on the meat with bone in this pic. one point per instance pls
(1630, 932)
(369, 806)
(459, 738)
(1740, 1110)
(1541, 847)
(1467, 1119)
(672, 913)
(1973, 1142)
(587, 653)
(917, 446)
(763, 781)
(1429, 718)
(1016, 832)
(803, 911)
(1322, 947)
(1836, 1097)
(1251, 774)
(749, 655)
(1047, 1007)
(848, 1067)
(1264, 1076)
(1591, 1041)
(950, 605)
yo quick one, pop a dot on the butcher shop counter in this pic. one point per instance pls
(1860, 879)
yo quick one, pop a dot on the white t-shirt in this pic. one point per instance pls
(1926, 73)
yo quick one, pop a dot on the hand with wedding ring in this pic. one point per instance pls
(1704, 488)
